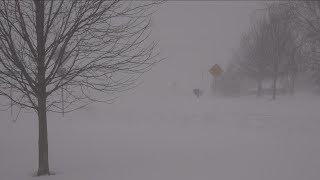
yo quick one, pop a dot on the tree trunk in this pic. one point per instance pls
(293, 82)
(259, 88)
(274, 86)
(43, 138)
(41, 87)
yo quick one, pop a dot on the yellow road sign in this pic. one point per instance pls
(216, 71)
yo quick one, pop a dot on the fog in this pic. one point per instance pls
(161, 130)
(193, 36)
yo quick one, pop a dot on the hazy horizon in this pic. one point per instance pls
(193, 36)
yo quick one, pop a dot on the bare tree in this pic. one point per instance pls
(85, 48)
(293, 54)
(270, 48)
(279, 36)
(292, 61)
(253, 54)
(307, 15)
(256, 51)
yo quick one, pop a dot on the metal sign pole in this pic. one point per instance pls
(215, 71)
(215, 86)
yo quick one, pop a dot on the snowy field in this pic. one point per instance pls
(172, 138)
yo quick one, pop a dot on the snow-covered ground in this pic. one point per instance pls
(172, 138)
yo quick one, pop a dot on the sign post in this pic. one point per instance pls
(215, 71)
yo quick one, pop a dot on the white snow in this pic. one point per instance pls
(172, 138)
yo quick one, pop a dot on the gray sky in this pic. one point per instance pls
(194, 35)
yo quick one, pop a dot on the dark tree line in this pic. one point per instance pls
(282, 42)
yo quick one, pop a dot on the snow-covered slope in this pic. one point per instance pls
(172, 138)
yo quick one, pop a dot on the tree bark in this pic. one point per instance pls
(41, 88)
(43, 139)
